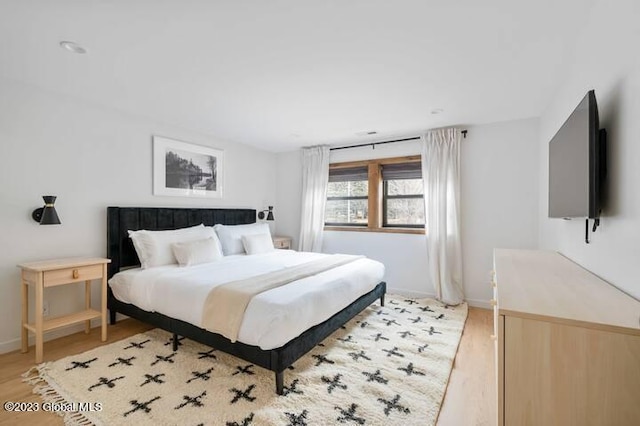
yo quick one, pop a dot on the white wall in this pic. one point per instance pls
(90, 158)
(499, 205)
(499, 196)
(288, 194)
(605, 59)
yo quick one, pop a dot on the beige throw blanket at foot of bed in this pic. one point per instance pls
(226, 304)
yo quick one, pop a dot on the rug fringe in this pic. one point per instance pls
(36, 376)
(76, 419)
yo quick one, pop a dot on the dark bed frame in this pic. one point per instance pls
(122, 254)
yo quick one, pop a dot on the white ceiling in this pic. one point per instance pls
(283, 74)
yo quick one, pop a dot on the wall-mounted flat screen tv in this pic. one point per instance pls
(577, 164)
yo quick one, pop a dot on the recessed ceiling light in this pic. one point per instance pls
(436, 111)
(72, 47)
(366, 133)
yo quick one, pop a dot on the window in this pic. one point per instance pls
(348, 197)
(402, 195)
(384, 195)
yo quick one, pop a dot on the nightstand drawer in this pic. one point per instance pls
(281, 244)
(71, 275)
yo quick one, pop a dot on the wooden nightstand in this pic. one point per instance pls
(282, 242)
(51, 273)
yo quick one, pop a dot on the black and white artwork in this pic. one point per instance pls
(184, 169)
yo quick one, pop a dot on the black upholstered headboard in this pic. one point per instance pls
(122, 219)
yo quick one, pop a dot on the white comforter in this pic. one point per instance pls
(272, 318)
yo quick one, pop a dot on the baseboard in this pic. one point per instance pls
(410, 293)
(476, 303)
(484, 304)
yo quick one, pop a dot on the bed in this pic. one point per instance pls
(275, 355)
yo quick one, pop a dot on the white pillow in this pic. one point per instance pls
(258, 243)
(231, 236)
(197, 252)
(154, 247)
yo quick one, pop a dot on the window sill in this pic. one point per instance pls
(380, 230)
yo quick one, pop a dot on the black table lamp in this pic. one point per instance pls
(269, 214)
(47, 215)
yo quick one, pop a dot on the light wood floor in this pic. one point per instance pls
(470, 397)
(471, 394)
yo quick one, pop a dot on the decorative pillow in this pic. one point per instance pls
(154, 247)
(197, 252)
(231, 236)
(258, 243)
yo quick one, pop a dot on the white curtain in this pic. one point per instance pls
(315, 179)
(441, 179)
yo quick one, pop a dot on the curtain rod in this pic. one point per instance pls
(373, 144)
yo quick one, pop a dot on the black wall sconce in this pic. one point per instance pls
(47, 215)
(268, 212)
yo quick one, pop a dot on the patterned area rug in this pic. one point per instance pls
(387, 366)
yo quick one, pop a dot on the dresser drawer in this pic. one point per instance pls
(494, 302)
(70, 275)
(495, 308)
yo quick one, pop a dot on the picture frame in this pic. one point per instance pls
(184, 169)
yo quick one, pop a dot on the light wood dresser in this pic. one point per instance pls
(56, 272)
(567, 344)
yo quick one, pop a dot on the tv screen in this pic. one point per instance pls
(575, 164)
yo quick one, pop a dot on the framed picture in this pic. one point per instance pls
(186, 170)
